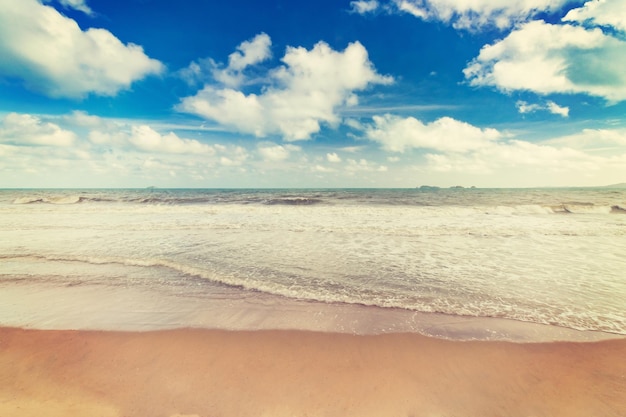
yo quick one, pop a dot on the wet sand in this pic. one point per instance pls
(298, 373)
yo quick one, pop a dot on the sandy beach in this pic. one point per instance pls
(187, 372)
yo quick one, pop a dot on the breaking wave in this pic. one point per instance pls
(73, 199)
(297, 201)
(338, 293)
(459, 203)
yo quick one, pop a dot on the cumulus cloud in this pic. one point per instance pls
(236, 156)
(273, 152)
(147, 139)
(363, 6)
(26, 129)
(52, 55)
(299, 96)
(248, 53)
(554, 108)
(476, 14)
(397, 134)
(333, 157)
(144, 138)
(600, 13)
(546, 58)
(525, 107)
(83, 119)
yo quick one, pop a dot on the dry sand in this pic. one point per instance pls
(295, 373)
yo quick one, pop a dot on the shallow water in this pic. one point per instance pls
(547, 256)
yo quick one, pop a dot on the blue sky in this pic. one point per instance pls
(386, 93)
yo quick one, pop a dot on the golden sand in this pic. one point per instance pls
(214, 373)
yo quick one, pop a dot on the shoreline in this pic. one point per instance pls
(104, 308)
(104, 351)
(202, 373)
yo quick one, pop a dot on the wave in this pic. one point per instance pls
(492, 203)
(296, 201)
(618, 209)
(344, 294)
(588, 208)
(72, 199)
(170, 200)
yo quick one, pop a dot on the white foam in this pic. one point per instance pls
(518, 261)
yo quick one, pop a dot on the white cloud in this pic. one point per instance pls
(333, 157)
(475, 14)
(597, 141)
(520, 156)
(237, 157)
(273, 152)
(145, 138)
(363, 6)
(26, 129)
(52, 55)
(453, 147)
(398, 134)
(547, 58)
(601, 13)
(84, 119)
(353, 123)
(139, 136)
(323, 169)
(79, 5)
(352, 149)
(300, 96)
(468, 164)
(554, 108)
(109, 152)
(248, 53)
(363, 165)
(524, 107)
(418, 10)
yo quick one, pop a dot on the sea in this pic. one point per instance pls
(545, 256)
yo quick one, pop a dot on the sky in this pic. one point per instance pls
(291, 93)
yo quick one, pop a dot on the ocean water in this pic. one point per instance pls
(548, 256)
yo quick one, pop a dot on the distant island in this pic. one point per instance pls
(620, 185)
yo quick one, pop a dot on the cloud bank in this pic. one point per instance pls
(25, 129)
(51, 54)
(452, 146)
